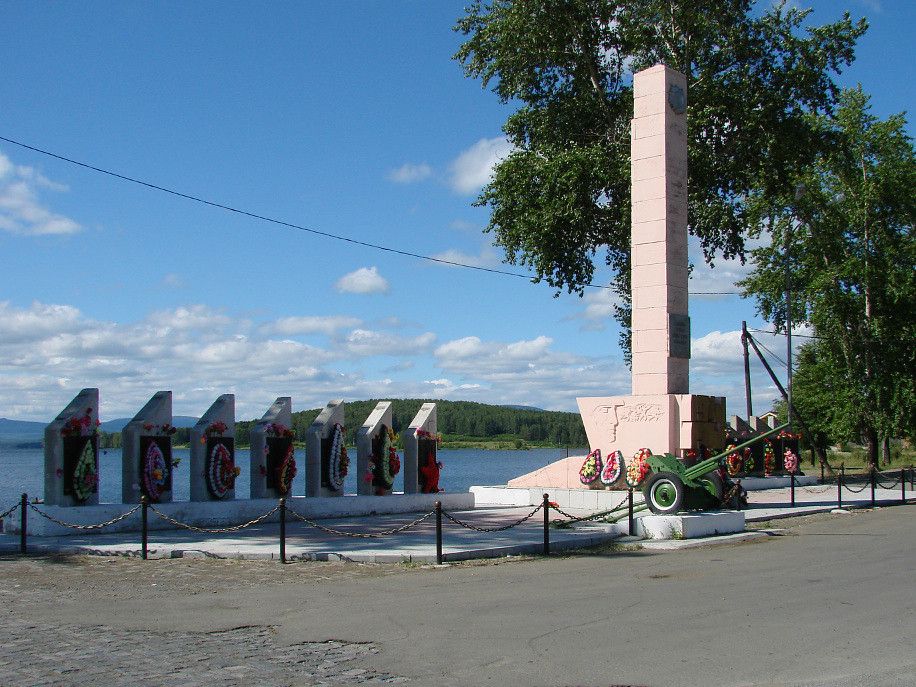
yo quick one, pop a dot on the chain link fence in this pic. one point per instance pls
(872, 479)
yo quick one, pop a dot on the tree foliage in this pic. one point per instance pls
(852, 260)
(563, 193)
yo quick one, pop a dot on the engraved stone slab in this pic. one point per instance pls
(71, 449)
(416, 446)
(270, 446)
(146, 452)
(213, 452)
(368, 446)
(318, 449)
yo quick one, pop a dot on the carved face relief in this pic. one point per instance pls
(604, 420)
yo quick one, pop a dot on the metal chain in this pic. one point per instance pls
(10, 510)
(221, 530)
(887, 486)
(359, 535)
(855, 491)
(469, 526)
(593, 516)
(812, 490)
(74, 526)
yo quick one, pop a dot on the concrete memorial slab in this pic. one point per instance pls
(72, 453)
(326, 459)
(213, 467)
(146, 452)
(273, 459)
(421, 444)
(377, 461)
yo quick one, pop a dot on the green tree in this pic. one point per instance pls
(852, 258)
(563, 193)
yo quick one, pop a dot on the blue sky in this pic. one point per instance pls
(345, 117)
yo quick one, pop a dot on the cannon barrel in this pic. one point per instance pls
(705, 466)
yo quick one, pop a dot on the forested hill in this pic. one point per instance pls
(458, 421)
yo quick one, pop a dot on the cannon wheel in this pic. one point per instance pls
(718, 486)
(665, 493)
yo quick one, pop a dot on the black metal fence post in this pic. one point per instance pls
(839, 489)
(282, 505)
(873, 480)
(23, 522)
(546, 525)
(792, 487)
(912, 482)
(630, 522)
(903, 487)
(144, 527)
(438, 532)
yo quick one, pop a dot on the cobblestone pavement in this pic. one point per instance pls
(34, 651)
(33, 655)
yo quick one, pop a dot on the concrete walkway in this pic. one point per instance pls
(417, 544)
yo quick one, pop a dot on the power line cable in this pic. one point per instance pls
(803, 336)
(291, 225)
(776, 357)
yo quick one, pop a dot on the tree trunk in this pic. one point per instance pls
(886, 451)
(871, 436)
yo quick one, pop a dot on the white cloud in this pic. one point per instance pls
(21, 212)
(486, 258)
(409, 173)
(364, 342)
(363, 280)
(473, 168)
(328, 325)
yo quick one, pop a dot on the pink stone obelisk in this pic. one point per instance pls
(660, 414)
(660, 324)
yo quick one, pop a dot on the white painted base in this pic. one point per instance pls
(690, 526)
(588, 499)
(760, 483)
(215, 514)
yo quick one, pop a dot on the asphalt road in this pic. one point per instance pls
(830, 602)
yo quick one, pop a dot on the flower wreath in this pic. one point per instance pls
(734, 462)
(790, 460)
(85, 474)
(286, 472)
(591, 468)
(638, 467)
(221, 471)
(217, 428)
(613, 466)
(423, 434)
(155, 472)
(749, 462)
(383, 467)
(769, 458)
(339, 461)
(80, 425)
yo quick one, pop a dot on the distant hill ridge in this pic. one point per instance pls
(456, 419)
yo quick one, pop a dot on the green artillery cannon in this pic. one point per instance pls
(672, 488)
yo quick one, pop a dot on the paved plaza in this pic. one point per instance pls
(825, 600)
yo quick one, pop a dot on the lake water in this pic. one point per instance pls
(22, 470)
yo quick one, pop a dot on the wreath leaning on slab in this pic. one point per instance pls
(339, 461)
(85, 474)
(591, 468)
(221, 471)
(155, 472)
